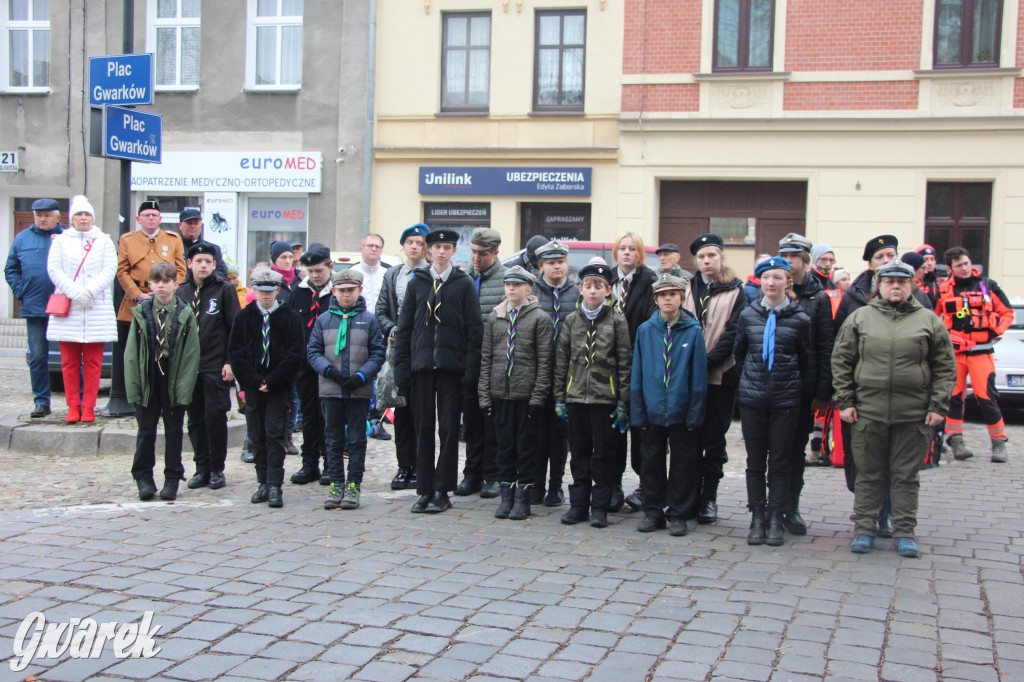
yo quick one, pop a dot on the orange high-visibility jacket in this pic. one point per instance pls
(975, 311)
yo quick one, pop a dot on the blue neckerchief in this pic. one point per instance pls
(768, 345)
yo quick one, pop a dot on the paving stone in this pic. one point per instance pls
(263, 668)
(205, 667)
(378, 671)
(243, 643)
(421, 643)
(515, 667)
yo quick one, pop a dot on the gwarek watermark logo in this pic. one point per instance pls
(82, 638)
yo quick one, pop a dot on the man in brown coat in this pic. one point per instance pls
(138, 251)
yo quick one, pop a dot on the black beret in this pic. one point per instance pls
(882, 241)
(315, 254)
(200, 248)
(595, 270)
(703, 240)
(442, 237)
(147, 205)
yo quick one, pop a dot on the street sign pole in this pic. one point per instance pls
(118, 405)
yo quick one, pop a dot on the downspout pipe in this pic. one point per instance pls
(371, 82)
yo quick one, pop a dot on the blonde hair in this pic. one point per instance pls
(638, 243)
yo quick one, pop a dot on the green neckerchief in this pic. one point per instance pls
(342, 328)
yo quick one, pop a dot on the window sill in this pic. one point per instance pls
(271, 90)
(575, 113)
(171, 89)
(968, 72)
(463, 114)
(742, 76)
(33, 92)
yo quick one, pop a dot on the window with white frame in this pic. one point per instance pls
(173, 36)
(25, 45)
(274, 57)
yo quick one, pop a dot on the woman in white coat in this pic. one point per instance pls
(82, 264)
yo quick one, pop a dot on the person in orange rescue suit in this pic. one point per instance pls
(976, 313)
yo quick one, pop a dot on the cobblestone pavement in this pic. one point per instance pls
(246, 592)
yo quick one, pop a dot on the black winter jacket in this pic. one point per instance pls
(640, 300)
(446, 337)
(218, 306)
(568, 298)
(811, 298)
(287, 348)
(792, 373)
(301, 301)
(387, 302)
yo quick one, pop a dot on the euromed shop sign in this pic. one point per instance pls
(487, 180)
(226, 171)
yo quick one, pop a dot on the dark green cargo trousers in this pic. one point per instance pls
(890, 452)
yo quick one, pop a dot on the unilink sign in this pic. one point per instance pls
(490, 180)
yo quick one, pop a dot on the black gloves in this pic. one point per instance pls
(536, 411)
(335, 375)
(353, 382)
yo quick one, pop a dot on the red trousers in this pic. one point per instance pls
(72, 358)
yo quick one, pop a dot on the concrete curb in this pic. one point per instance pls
(52, 436)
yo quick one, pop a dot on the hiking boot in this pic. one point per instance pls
(635, 501)
(468, 486)
(649, 524)
(537, 495)
(960, 451)
(334, 494)
(555, 497)
(351, 498)
(261, 495)
(147, 488)
(306, 475)
(170, 490)
(489, 489)
(861, 543)
(217, 480)
(289, 446)
(907, 548)
(999, 451)
(598, 518)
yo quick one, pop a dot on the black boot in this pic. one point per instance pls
(420, 505)
(616, 501)
(147, 488)
(795, 523)
(756, 536)
(635, 501)
(521, 509)
(274, 497)
(170, 490)
(776, 530)
(598, 518)
(439, 503)
(507, 493)
(247, 455)
(707, 512)
(467, 486)
(200, 480)
(537, 494)
(885, 523)
(575, 515)
(307, 474)
(489, 489)
(261, 495)
(217, 480)
(401, 480)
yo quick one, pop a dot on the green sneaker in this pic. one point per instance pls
(351, 499)
(334, 500)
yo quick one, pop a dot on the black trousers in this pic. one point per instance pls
(268, 412)
(797, 456)
(593, 464)
(208, 423)
(307, 385)
(632, 442)
(148, 417)
(711, 439)
(768, 435)
(405, 438)
(346, 424)
(433, 392)
(678, 487)
(552, 448)
(517, 440)
(481, 443)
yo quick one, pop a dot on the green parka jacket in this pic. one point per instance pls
(184, 354)
(597, 374)
(530, 376)
(893, 363)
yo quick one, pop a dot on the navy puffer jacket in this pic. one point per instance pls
(792, 373)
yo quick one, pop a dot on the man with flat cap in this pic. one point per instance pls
(487, 272)
(26, 275)
(190, 225)
(215, 304)
(136, 253)
(668, 257)
(311, 298)
(437, 357)
(389, 302)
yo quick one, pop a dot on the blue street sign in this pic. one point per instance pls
(505, 180)
(131, 134)
(121, 80)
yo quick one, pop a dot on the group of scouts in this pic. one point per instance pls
(531, 363)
